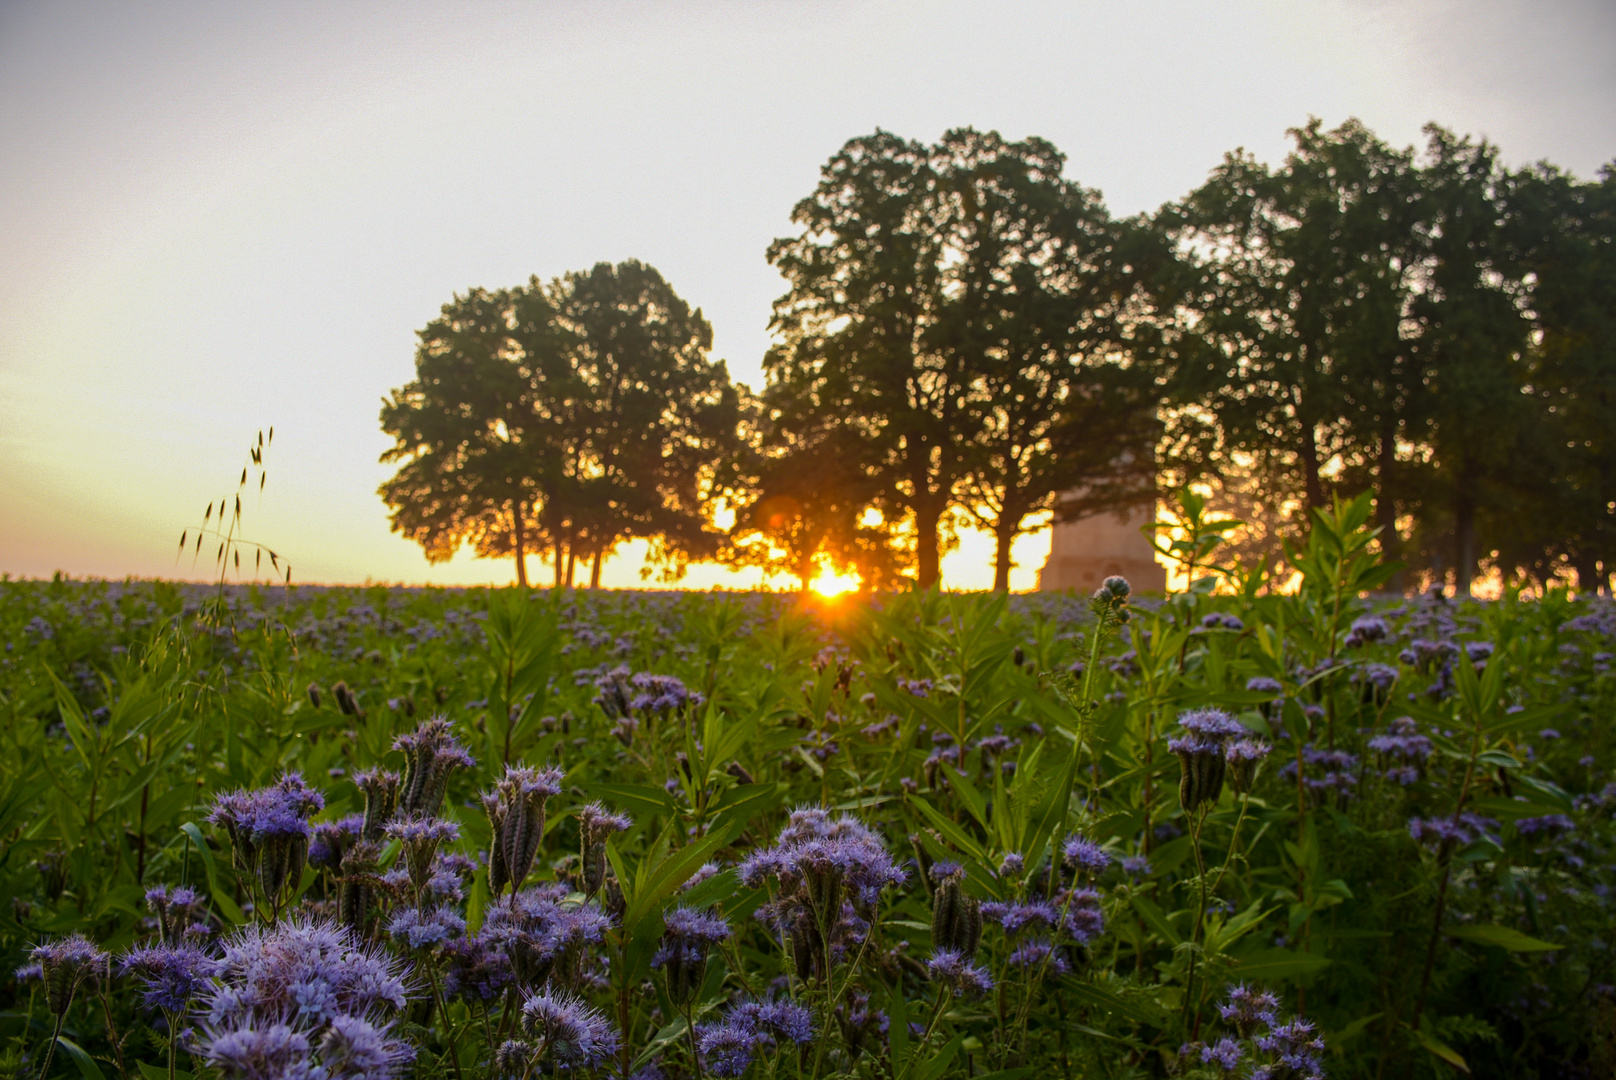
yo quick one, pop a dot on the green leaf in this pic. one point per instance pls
(1279, 964)
(1442, 1050)
(1140, 1012)
(1501, 937)
(639, 798)
(1155, 919)
(721, 886)
(934, 1068)
(955, 835)
(968, 794)
(87, 1066)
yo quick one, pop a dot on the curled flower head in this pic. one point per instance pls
(63, 965)
(332, 838)
(682, 952)
(574, 1035)
(422, 930)
(1247, 1009)
(1242, 757)
(420, 838)
(1211, 724)
(170, 975)
(431, 753)
(958, 974)
(1084, 855)
(354, 1046)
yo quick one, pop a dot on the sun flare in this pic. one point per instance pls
(829, 583)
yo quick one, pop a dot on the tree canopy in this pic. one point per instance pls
(570, 416)
(968, 337)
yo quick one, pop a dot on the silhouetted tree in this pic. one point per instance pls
(575, 415)
(469, 431)
(956, 308)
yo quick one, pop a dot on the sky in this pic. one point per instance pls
(218, 218)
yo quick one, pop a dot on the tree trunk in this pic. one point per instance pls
(1310, 468)
(572, 557)
(1588, 575)
(1464, 546)
(558, 559)
(928, 564)
(594, 571)
(521, 550)
(1391, 544)
(1003, 536)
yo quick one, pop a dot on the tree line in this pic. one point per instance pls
(970, 338)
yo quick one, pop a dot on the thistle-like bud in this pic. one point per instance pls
(738, 771)
(595, 824)
(498, 874)
(64, 965)
(381, 800)
(682, 953)
(516, 809)
(314, 695)
(1243, 759)
(346, 701)
(956, 918)
(355, 900)
(805, 946)
(420, 838)
(431, 752)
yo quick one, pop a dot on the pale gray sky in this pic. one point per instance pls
(218, 217)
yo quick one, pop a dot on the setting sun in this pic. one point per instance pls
(829, 583)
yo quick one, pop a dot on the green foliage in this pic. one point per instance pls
(1420, 866)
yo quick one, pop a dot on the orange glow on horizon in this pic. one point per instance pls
(829, 583)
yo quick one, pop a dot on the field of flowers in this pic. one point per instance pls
(376, 832)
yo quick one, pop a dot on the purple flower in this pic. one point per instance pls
(1012, 865)
(1294, 1046)
(261, 1051)
(1263, 684)
(1136, 866)
(957, 973)
(1035, 954)
(1017, 915)
(170, 975)
(574, 1034)
(313, 969)
(1248, 1009)
(357, 1047)
(332, 838)
(1084, 855)
(727, 1048)
(64, 964)
(474, 969)
(1225, 1054)
(596, 823)
(1550, 824)
(417, 929)
(1211, 724)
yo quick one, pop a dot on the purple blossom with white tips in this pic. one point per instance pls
(574, 1035)
(170, 975)
(957, 973)
(1084, 855)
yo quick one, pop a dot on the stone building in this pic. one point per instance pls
(1084, 553)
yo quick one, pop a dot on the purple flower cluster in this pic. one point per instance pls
(300, 999)
(170, 975)
(682, 952)
(1436, 833)
(1403, 750)
(542, 936)
(958, 973)
(571, 1034)
(728, 1046)
(831, 873)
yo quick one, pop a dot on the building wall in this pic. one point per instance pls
(1084, 553)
